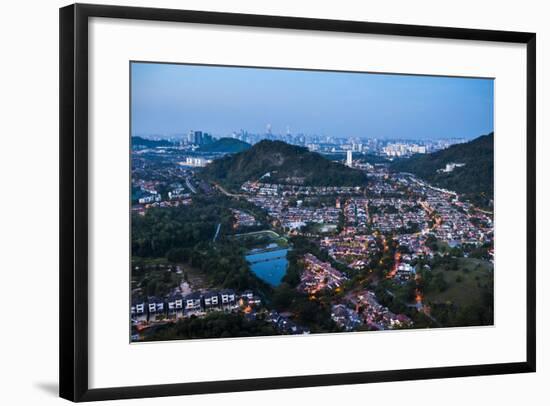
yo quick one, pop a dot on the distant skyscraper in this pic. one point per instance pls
(349, 158)
(206, 138)
(191, 137)
(198, 137)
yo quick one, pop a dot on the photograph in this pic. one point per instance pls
(270, 203)
(278, 201)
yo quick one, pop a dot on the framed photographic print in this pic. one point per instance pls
(257, 202)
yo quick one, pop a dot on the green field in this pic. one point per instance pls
(465, 285)
(258, 239)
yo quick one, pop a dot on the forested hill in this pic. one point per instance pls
(285, 163)
(229, 145)
(475, 177)
(147, 143)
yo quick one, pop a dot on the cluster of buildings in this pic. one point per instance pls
(416, 216)
(243, 219)
(454, 223)
(273, 206)
(403, 149)
(415, 244)
(387, 222)
(404, 271)
(378, 184)
(150, 197)
(318, 275)
(145, 191)
(341, 144)
(397, 204)
(197, 138)
(376, 316)
(195, 161)
(176, 305)
(346, 318)
(293, 218)
(433, 210)
(141, 209)
(400, 205)
(150, 176)
(361, 308)
(275, 189)
(284, 324)
(397, 214)
(281, 204)
(356, 212)
(154, 310)
(352, 249)
(178, 192)
(390, 203)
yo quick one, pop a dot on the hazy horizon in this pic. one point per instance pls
(168, 100)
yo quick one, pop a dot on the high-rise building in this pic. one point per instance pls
(191, 137)
(349, 158)
(206, 139)
(198, 137)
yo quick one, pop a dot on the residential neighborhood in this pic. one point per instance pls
(249, 219)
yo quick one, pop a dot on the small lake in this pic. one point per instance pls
(269, 265)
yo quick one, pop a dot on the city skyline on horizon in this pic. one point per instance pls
(168, 100)
(182, 136)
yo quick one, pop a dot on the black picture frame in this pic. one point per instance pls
(73, 277)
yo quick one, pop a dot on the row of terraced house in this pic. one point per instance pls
(154, 307)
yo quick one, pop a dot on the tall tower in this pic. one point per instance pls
(349, 158)
(198, 137)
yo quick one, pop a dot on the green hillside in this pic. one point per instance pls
(147, 143)
(474, 179)
(285, 163)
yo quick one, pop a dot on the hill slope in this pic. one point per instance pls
(229, 145)
(147, 143)
(474, 178)
(286, 164)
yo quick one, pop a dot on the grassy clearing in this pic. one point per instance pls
(258, 239)
(465, 284)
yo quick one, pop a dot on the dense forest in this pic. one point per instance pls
(185, 235)
(474, 179)
(159, 230)
(147, 143)
(213, 325)
(285, 164)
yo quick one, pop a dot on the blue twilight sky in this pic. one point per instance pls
(170, 99)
